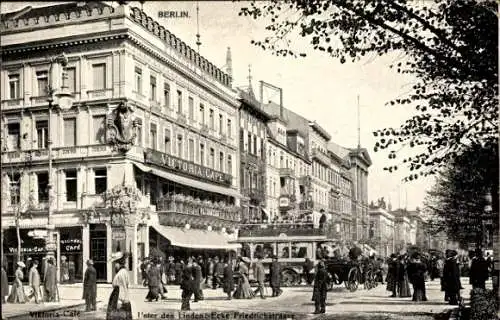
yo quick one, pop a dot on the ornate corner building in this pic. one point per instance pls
(147, 156)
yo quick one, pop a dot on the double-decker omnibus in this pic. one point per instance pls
(292, 243)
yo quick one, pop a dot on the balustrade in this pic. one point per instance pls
(188, 205)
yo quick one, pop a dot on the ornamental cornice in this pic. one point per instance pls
(178, 67)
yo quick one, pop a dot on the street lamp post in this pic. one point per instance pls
(64, 101)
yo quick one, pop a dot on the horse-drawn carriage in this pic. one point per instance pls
(350, 273)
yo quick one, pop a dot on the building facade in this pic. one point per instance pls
(151, 119)
(253, 140)
(381, 230)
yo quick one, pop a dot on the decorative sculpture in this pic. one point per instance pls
(122, 127)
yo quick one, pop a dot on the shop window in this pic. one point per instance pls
(14, 136)
(71, 185)
(15, 188)
(43, 187)
(101, 180)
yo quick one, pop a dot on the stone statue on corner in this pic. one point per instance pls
(122, 127)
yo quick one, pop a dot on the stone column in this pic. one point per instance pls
(109, 247)
(131, 245)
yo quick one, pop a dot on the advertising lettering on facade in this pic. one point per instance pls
(70, 245)
(186, 167)
(27, 250)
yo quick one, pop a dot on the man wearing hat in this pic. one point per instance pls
(479, 270)
(90, 287)
(34, 281)
(275, 274)
(451, 278)
(50, 281)
(321, 280)
(260, 276)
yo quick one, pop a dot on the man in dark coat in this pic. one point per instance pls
(275, 277)
(198, 278)
(307, 267)
(187, 284)
(260, 276)
(179, 268)
(218, 273)
(451, 278)
(153, 283)
(392, 275)
(5, 282)
(90, 287)
(321, 281)
(228, 279)
(479, 270)
(50, 281)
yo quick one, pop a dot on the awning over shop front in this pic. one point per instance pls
(189, 182)
(196, 239)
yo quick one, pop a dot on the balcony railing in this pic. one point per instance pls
(12, 103)
(58, 153)
(287, 172)
(320, 156)
(196, 207)
(100, 94)
(275, 230)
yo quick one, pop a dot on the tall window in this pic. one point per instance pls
(14, 136)
(255, 145)
(152, 89)
(202, 114)
(153, 135)
(43, 186)
(99, 73)
(167, 141)
(139, 135)
(15, 188)
(262, 149)
(179, 101)
(211, 119)
(191, 108)
(249, 143)
(42, 134)
(101, 180)
(70, 132)
(14, 86)
(229, 129)
(229, 164)
(202, 154)
(71, 185)
(221, 161)
(179, 146)
(42, 79)
(211, 164)
(138, 80)
(99, 123)
(71, 81)
(221, 124)
(191, 150)
(166, 94)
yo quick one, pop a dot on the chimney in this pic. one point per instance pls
(229, 62)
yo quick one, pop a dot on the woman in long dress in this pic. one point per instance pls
(243, 290)
(17, 291)
(119, 307)
(403, 284)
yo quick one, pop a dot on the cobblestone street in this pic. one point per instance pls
(362, 304)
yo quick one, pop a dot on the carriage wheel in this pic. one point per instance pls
(352, 280)
(288, 278)
(369, 280)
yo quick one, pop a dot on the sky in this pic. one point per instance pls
(318, 87)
